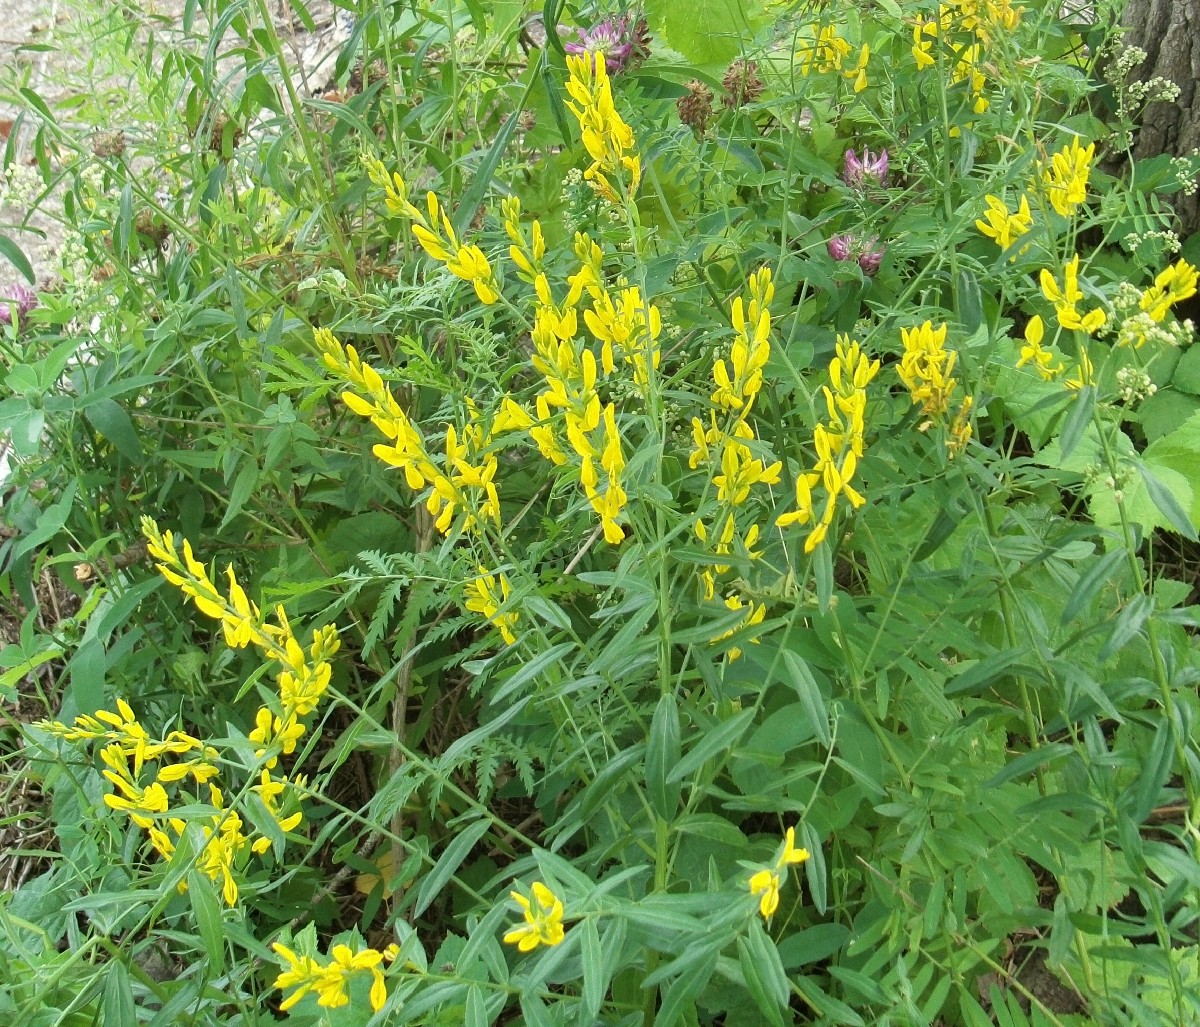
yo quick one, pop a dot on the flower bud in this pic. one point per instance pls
(871, 256)
(840, 246)
(856, 171)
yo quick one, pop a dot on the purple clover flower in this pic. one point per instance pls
(840, 246)
(867, 253)
(19, 296)
(624, 42)
(858, 171)
(871, 256)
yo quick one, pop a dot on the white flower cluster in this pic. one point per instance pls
(20, 186)
(1187, 171)
(73, 262)
(1134, 385)
(1164, 241)
(1140, 328)
(1153, 89)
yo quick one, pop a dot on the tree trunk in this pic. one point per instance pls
(1169, 32)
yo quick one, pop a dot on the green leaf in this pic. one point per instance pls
(117, 1005)
(476, 1012)
(713, 39)
(978, 677)
(801, 678)
(242, 489)
(1089, 584)
(207, 909)
(1078, 418)
(595, 977)
(1142, 796)
(1167, 504)
(686, 987)
(110, 420)
(714, 740)
(662, 753)
(1129, 622)
(763, 971)
(1187, 372)
(16, 255)
(450, 860)
(481, 182)
(529, 671)
(1028, 762)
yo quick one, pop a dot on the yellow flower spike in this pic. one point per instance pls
(1171, 285)
(1003, 227)
(604, 134)
(543, 919)
(1066, 176)
(485, 595)
(301, 973)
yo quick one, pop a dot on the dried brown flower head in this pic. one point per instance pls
(742, 84)
(696, 106)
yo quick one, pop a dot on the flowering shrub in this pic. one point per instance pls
(685, 493)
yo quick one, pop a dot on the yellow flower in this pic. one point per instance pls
(1172, 284)
(960, 430)
(858, 74)
(926, 366)
(751, 347)
(1033, 353)
(825, 51)
(755, 614)
(1084, 373)
(435, 233)
(606, 137)
(766, 881)
(302, 974)
(803, 513)
(1066, 298)
(925, 32)
(766, 884)
(328, 981)
(543, 919)
(740, 471)
(1066, 178)
(485, 595)
(630, 327)
(1005, 227)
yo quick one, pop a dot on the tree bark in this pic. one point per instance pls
(1169, 32)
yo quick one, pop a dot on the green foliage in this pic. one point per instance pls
(793, 508)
